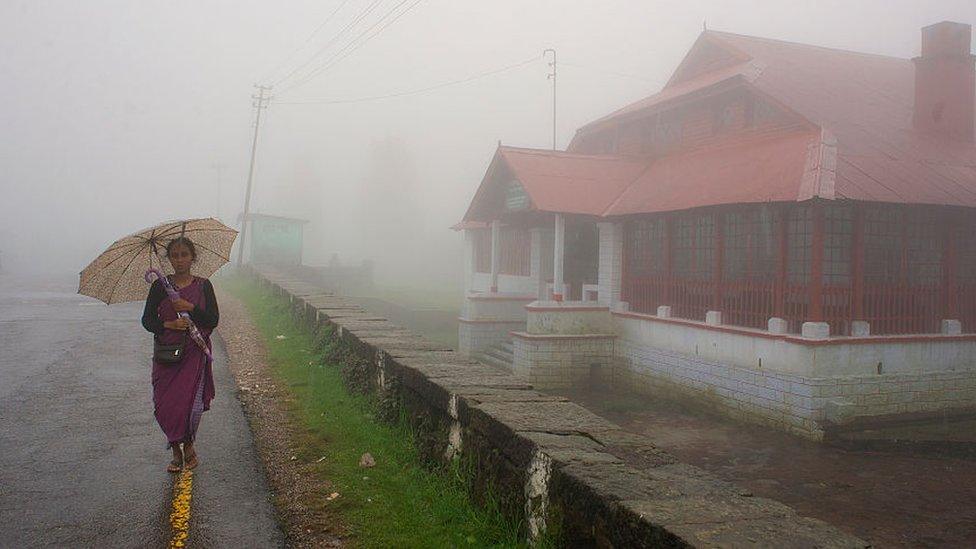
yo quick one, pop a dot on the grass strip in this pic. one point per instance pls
(397, 503)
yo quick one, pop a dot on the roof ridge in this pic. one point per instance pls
(549, 152)
(719, 34)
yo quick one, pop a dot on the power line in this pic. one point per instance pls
(336, 55)
(614, 73)
(334, 39)
(307, 41)
(411, 92)
(356, 43)
(391, 22)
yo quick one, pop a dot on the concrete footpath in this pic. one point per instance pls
(81, 458)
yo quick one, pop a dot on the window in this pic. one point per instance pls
(799, 240)
(694, 246)
(882, 245)
(645, 247)
(725, 115)
(750, 245)
(923, 249)
(838, 242)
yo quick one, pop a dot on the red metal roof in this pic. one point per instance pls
(571, 183)
(866, 147)
(555, 181)
(867, 102)
(863, 101)
(765, 170)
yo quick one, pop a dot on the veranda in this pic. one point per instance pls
(863, 268)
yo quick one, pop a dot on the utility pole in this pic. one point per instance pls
(260, 102)
(552, 76)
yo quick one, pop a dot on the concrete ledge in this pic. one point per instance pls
(543, 454)
(560, 337)
(500, 297)
(837, 340)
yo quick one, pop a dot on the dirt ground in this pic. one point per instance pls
(298, 493)
(908, 495)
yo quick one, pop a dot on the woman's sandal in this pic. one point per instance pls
(174, 467)
(191, 461)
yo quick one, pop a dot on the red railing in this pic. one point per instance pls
(966, 307)
(749, 303)
(900, 309)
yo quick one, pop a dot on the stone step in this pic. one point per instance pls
(492, 360)
(500, 353)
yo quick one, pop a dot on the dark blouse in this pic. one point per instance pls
(204, 317)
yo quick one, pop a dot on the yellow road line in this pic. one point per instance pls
(179, 517)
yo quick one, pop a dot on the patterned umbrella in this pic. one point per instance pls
(117, 275)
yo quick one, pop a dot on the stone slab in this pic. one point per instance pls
(770, 532)
(555, 417)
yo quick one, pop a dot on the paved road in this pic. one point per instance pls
(81, 457)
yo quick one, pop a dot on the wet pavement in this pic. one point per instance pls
(81, 458)
(904, 494)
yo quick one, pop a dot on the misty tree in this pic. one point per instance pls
(390, 207)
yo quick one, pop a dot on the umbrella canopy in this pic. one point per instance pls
(116, 276)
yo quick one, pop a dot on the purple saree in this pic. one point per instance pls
(182, 391)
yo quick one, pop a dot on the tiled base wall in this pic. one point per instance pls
(788, 402)
(474, 337)
(563, 363)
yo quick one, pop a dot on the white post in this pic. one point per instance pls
(611, 262)
(535, 269)
(557, 258)
(495, 254)
(469, 259)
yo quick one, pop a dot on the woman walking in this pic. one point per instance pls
(182, 390)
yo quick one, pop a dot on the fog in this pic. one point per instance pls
(117, 115)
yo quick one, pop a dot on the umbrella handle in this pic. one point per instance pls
(150, 272)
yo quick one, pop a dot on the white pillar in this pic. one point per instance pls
(535, 266)
(611, 262)
(469, 259)
(495, 254)
(558, 287)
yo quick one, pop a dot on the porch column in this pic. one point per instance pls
(610, 273)
(857, 263)
(469, 259)
(950, 269)
(535, 265)
(495, 254)
(816, 312)
(557, 258)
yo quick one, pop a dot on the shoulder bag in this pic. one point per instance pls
(169, 354)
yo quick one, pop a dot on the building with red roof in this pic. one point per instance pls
(778, 209)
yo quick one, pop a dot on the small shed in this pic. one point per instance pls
(275, 239)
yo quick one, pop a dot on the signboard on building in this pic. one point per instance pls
(276, 240)
(515, 197)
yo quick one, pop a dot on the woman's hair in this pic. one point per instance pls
(184, 241)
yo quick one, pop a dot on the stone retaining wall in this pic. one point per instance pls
(549, 460)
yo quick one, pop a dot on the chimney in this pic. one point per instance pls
(945, 82)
